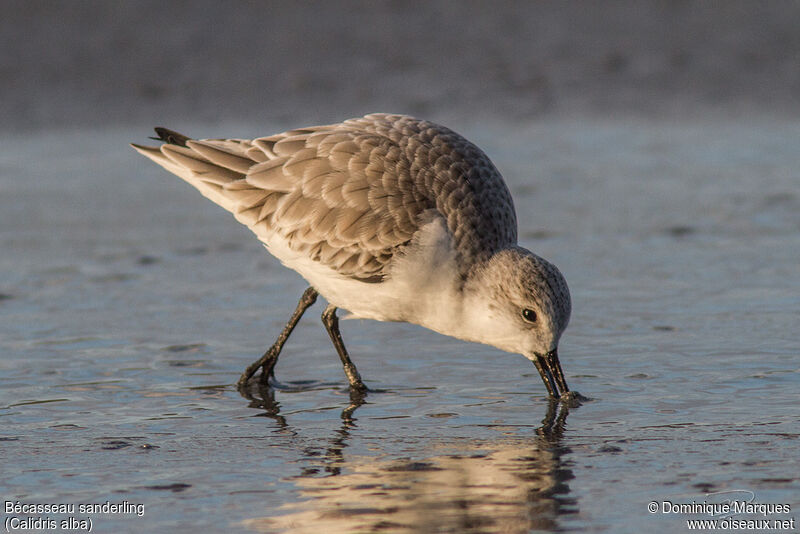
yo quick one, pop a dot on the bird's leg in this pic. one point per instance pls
(331, 323)
(270, 358)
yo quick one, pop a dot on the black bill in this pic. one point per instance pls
(552, 375)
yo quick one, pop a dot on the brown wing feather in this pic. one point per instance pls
(349, 195)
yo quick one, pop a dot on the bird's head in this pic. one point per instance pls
(519, 302)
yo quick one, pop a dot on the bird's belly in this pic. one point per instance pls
(421, 287)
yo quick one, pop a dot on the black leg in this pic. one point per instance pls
(331, 323)
(270, 358)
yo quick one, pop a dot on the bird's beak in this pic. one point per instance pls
(552, 375)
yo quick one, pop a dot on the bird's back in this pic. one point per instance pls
(351, 195)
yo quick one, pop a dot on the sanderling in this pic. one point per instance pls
(391, 218)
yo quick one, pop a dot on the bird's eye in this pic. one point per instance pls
(529, 315)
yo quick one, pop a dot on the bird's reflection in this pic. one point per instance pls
(262, 396)
(515, 484)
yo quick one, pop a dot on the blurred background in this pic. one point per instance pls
(90, 62)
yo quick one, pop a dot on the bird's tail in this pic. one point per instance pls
(210, 165)
(170, 137)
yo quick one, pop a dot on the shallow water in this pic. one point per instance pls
(130, 305)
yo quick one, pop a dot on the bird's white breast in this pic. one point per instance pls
(422, 288)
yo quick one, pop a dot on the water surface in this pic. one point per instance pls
(129, 305)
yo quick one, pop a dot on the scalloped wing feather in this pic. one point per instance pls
(350, 195)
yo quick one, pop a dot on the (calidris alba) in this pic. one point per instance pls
(391, 218)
